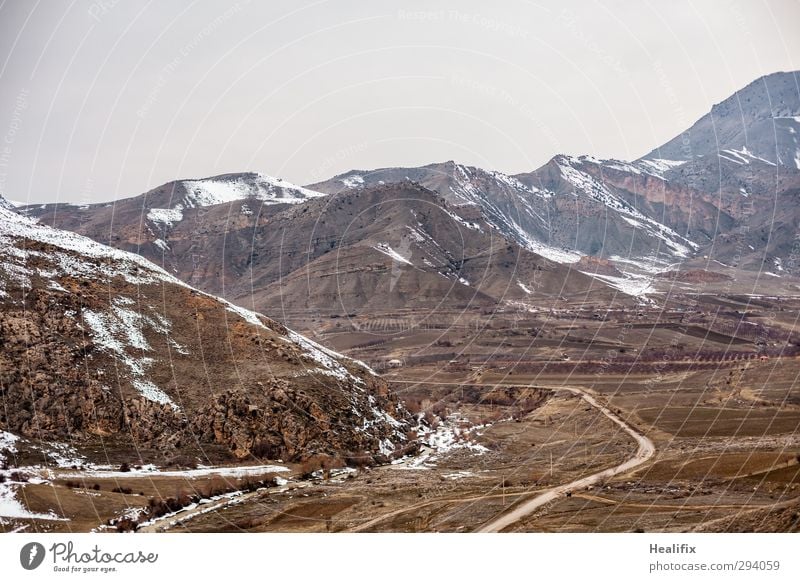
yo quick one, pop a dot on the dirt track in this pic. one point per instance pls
(643, 454)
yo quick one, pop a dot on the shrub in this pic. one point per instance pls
(413, 406)
(126, 524)
(183, 461)
(309, 466)
(266, 450)
(19, 477)
(359, 459)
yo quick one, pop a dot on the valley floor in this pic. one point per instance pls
(659, 419)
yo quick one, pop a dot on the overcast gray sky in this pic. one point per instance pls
(106, 99)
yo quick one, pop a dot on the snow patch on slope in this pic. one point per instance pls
(166, 216)
(267, 189)
(584, 182)
(390, 252)
(563, 256)
(324, 357)
(226, 189)
(7, 443)
(742, 156)
(10, 506)
(634, 285)
(352, 181)
(107, 262)
(657, 166)
(120, 333)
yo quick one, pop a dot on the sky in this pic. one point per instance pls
(106, 99)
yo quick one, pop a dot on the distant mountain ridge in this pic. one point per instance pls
(731, 197)
(758, 122)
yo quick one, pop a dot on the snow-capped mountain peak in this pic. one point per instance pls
(233, 187)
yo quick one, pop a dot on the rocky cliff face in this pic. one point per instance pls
(98, 345)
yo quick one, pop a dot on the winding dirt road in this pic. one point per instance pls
(645, 451)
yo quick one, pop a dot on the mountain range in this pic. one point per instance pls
(725, 190)
(106, 309)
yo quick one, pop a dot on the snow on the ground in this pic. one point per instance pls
(390, 252)
(224, 189)
(212, 503)
(106, 262)
(62, 454)
(132, 513)
(11, 204)
(418, 235)
(524, 287)
(10, 506)
(161, 244)
(386, 447)
(551, 253)
(267, 189)
(329, 363)
(595, 189)
(563, 256)
(458, 475)
(466, 223)
(7, 443)
(352, 181)
(515, 184)
(652, 265)
(636, 286)
(466, 184)
(742, 156)
(451, 434)
(152, 471)
(166, 216)
(120, 332)
(658, 166)
(322, 356)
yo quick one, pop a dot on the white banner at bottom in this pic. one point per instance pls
(354, 557)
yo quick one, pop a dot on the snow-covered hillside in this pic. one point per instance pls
(229, 188)
(118, 302)
(572, 171)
